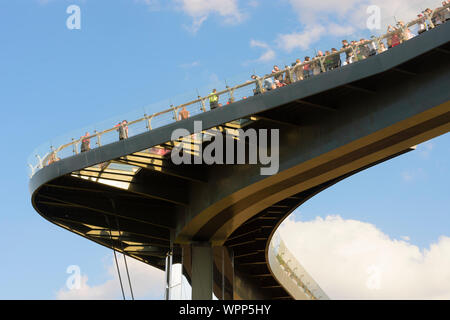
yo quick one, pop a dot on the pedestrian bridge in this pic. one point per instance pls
(218, 220)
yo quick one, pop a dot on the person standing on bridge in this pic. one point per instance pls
(258, 87)
(277, 77)
(363, 51)
(348, 49)
(307, 68)
(184, 114)
(422, 25)
(53, 158)
(395, 38)
(407, 34)
(336, 59)
(85, 143)
(123, 130)
(382, 48)
(316, 66)
(298, 71)
(429, 16)
(445, 14)
(213, 100)
(269, 84)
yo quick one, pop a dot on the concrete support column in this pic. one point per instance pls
(202, 271)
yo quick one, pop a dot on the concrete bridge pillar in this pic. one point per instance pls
(202, 271)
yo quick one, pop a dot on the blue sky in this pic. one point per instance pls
(130, 54)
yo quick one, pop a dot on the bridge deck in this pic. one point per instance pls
(331, 126)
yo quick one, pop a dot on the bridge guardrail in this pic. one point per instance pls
(291, 274)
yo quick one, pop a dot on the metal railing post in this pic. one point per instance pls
(355, 56)
(39, 161)
(148, 123)
(32, 170)
(52, 154)
(175, 115)
(260, 85)
(322, 67)
(231, 93)
(74, 146)
(98, 138)
(290, 74)
(378, 44)
(203, 103)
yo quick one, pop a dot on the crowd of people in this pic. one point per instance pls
(323, 61)
(352, 51)
(122, 128)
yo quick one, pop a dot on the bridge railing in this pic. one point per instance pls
(291, 274)
(70, 144)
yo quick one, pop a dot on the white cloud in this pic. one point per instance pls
(302, 40)
(43, 2)
(190, 65)
(146, 281)
(410, 175)
(424, 149)
(268, 54)
(344, 18)
(340, 30)
(352, 11)
(199, 11)
(153, 5)
(310, 35)
(351, 259)
(253, 3)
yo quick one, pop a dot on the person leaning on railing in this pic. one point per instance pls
(53, 158)
(428, 13)
(328, 62)
(307, 70)
(422, 25)
(336, 59)
(382, 48)
(435, 17)
(287, 76)
(316, 69)
(269, 84)
(360, 51)
(445, 14)
(348, 49)
(406, 34)
(298, 71)
(372, 47)
(258, 89)
(364, 50)
(277, 77)
(394, 40)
